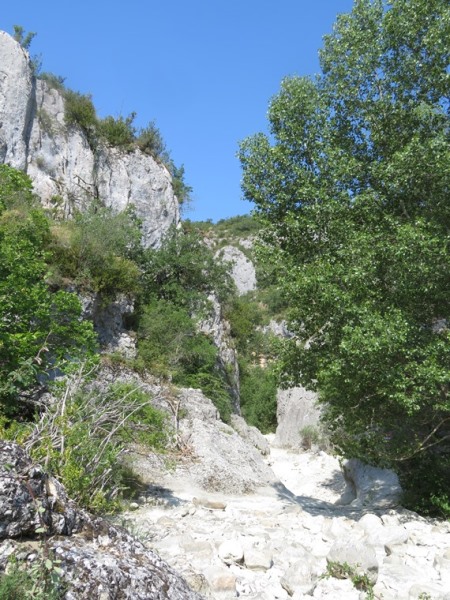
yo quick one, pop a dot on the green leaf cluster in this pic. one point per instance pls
(40, 331)
(98, 250)
(352, 186)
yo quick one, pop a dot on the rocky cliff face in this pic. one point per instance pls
(66, 173)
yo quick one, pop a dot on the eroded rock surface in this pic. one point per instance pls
(98, 560)
(242, 270)
(68, 172)
(296, 409)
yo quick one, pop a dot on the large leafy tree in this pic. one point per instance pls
(353, 186)
(40, 331)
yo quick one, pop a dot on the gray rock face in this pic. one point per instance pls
(109, 323)
(296, 409)
(66, 173)
(24, 488)
(16, 102)
(224, 462)
(242, 270)
(215, 326)
(98, 560)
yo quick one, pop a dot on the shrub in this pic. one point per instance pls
(181, 190)
(119, 132)
(183, 271)
(81, 438)
(96, 251)
(38, 580)
(55, 82)
(170, 346)
(259, 396)
(150, 141)
(80, 111)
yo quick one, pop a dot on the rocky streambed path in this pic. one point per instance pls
(285, 539)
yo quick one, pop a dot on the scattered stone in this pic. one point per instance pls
(231, 552)
(356, 554)
(210, 504)
(298, 578)
(258, 559)
(221, 580)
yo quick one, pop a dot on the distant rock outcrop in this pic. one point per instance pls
(66, 173)
(296, 409)
(242, 269)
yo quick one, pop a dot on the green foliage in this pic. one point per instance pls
(55, 82)
(22, 582)
(238, 227)
(352, 188)
(150, 141)
(245, 316)
(82, 436)
(180, 188)
(80, 111)
(346, 571)
(39, 330)
(183, 271)
(176, 280)
(119, 132)
(170, 347)
(96, 250)
(22, 38)
(258, 387)
(314, 435)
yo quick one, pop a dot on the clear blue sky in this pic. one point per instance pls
(204, 70)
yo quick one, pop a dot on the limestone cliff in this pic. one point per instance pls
(67, 174)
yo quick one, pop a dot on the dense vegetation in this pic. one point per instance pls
(352, 186)
(42, 334)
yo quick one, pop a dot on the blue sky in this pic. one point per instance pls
(204, 70)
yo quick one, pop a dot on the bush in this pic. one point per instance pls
(170, 347)
(150, 141)
(39, 329)
(38, 580)
(96, 251)
(80, 111)
(259, 397)
(55, 82)
(184, 271)
(81, 438)
(181, 190)
(119, 132)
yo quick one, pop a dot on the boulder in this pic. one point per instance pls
(361, 557)
(98, 559)
(373, 487)
(296, 409)
(250, 434)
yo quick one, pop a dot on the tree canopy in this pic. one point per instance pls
(352, 186)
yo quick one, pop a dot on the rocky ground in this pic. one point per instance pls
(276, 542)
